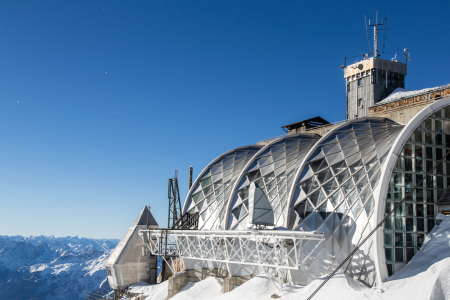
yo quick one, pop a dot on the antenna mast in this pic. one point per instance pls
(174, 201)
(375, 36)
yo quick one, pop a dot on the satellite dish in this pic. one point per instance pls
(260, 209)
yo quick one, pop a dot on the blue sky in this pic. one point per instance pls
(100, 101)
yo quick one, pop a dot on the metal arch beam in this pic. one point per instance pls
(386, 173)
(308, 155)
(239, 178)
(189, 194)
(241, 175)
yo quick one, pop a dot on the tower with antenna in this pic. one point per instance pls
(371, 79)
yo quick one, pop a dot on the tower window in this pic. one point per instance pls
(360, 103)
(359, 82)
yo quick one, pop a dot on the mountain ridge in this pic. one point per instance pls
(46, 267)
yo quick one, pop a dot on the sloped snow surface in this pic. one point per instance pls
(427, 276)
(52, 268)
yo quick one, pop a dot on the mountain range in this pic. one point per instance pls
(45, 267)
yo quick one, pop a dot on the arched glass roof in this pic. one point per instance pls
(273, 170)
(333, 194)
(211, 189)
(422, 142)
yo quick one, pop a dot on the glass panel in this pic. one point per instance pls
(339, 167)
(409, 207)
(360, 185)
(389, 239)
(398, 239)
(418, 136)
(318, 165)
(324, 175)
(353, 196)
(389, 255)
(205, 182)
(336, 198)
(429, 124)
(269, 177)
(359, 175)
(330, 186)
(409, 224)
(389, 223)
(409, 254)
(408, 150)
(399, 223)
(418, 151)
(409, 239)
(356, 167)
(317, 197)
(197, 197)
(343, 176)
(420, 224)
(348, 186)
(399, 255)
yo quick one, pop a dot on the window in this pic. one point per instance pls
(108, 271)
(359, 82)
(360, 103)
(415, 218)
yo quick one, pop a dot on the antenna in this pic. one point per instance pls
(375, 35)
(190, 177)
(174, 201)
(148, 216)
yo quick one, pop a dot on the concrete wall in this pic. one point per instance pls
(179, 281)
(403, 115)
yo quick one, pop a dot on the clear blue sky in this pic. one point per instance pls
(100, 101)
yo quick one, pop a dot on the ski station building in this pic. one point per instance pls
(297, 205)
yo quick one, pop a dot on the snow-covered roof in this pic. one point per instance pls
(400, 93)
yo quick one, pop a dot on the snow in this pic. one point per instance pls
(400, 93)
(210, 288)
(426, 276)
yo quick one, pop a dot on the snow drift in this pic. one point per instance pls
(426, 276)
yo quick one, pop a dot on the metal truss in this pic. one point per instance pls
(274, 252)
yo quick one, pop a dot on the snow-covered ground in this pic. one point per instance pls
(427, 276)
(52, 268)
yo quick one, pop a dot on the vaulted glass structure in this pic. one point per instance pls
(210, 192)
(273, 170)
(341, 185)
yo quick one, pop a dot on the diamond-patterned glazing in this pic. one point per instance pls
(273, 171)
(212, 188)
(333, 195)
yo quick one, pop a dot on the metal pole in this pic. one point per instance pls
(375, 37)
(190, 177)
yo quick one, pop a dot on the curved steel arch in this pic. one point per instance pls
(209, 190)
(332, 193)
(272, 168)
(386, 172)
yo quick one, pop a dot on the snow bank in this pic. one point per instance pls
(210, 288)
(426, 276)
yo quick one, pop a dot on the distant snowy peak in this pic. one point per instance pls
(52, 268)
